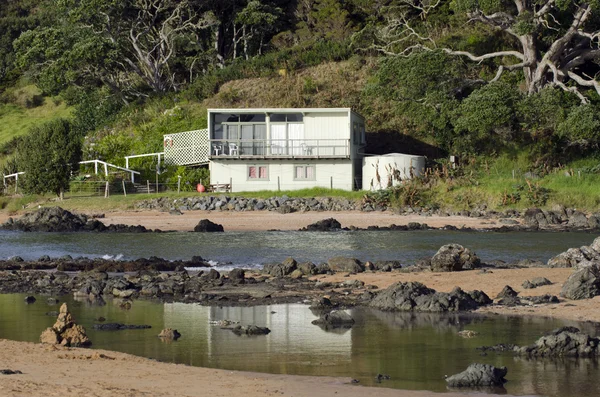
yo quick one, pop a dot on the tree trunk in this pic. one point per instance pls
(531, 63)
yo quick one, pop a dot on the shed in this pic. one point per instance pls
(380, 172)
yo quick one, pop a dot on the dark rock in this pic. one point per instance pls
(562, 342)
(578, 220)
(250, 330)
(30, 299)
(543, 299)
(531, 216)
(478, 375)
(454, 257)
(10, 372)
(583, 284)
(335, 319)
(207, 226)
(343, 264)
(325, 225)
(536, 282)
(507, 292)
(237, 276)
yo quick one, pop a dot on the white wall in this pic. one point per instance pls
(326, 125)
(382, 164)
(326, 171)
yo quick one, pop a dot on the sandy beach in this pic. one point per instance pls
(64, 372)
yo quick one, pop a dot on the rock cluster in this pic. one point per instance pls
(578, 257)
(478, 375)
(325, 225)
(454, 257)
(583, 284)
(56, 219)
(414, 296)
(65, 332)
(206, 225)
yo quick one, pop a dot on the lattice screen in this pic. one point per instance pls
(187, 148)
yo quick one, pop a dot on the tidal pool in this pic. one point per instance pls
(415, 349)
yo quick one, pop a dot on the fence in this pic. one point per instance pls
(122, 188)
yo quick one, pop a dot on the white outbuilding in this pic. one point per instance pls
(380, 172)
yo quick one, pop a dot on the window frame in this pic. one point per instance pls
(258, 178)
(305, 167)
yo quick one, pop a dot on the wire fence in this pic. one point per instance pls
(124, 188)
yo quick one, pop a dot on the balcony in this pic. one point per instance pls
(279, 149)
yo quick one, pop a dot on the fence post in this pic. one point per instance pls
(178, 184)
(148, 185)
(124, 190)
(331, 182)
(278, 185)
(157, 182)
(106, 193)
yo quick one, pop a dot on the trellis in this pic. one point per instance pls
(187, 148)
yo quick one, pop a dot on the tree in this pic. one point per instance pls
(553, 42)
(49, 155)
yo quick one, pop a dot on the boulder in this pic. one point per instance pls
(169, 333)
(578, 220)
(573, 256)
(237, 276)
(507, 292)
(335, 319)
(562, 342)
(343, 264)
(454, 257)
(325, 225)
(583, 284)
(477, 375)
(207, 226)
(536, 282)
(280, 269)
(531, 217)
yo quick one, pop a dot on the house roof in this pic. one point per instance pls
(285, 110)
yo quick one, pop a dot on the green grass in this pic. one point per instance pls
(16, 120)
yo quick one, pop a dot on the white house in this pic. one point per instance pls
(276, 149)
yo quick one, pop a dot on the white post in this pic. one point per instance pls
(96, 167)
(16, 183)
(106, 190)
(148, 184)
(124, 190)
(105, 169)
(126, 162)
(178, 184)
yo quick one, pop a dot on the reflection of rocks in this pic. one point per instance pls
(414, 296)
(334, 319)
(118, 327)
(478, 375)
(250, 330)
(169, 334)
(65, 331)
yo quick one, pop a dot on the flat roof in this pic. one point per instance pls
(285, 110)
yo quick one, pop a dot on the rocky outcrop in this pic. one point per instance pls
(454, 257)
(477, 375)
(206, 226)
(283, 269)
(578, 257)
(343, 264)
(335, 319)
(583, 284)
(65, 332)
(325, 225)
(414, 296)
(169, 333)
(56, 219)
(562, 342)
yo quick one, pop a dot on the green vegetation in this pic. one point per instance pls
(463, 78)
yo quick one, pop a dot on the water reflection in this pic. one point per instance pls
(415, 349)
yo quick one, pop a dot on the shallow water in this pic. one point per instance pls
(416, 350)
(252, 249)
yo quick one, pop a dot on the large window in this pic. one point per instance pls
(243, 134)
(287, 133)
(258, 172)
(304, 172)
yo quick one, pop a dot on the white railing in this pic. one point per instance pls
(278, 148)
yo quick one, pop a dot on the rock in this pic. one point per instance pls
(30, 299)
(536, 282)
(583, 284)
(307, 268)
(386, 266)
(578, 220)
(335, 319)
(325, 225)
(65, 331)
(454, 257)
(478, 375)
(207, 226)
(10, 372)
(250, 330)
(169, 333)
(562, 342)
(531, 217)
(296, 274)
(280, 269)
(507, 292)
(343, 264)
(414, 296)
(237, 276)
(573, 256)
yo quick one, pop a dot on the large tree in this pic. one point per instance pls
(49, 155)
(553, 42)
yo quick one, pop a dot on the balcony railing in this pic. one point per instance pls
(279, 148)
